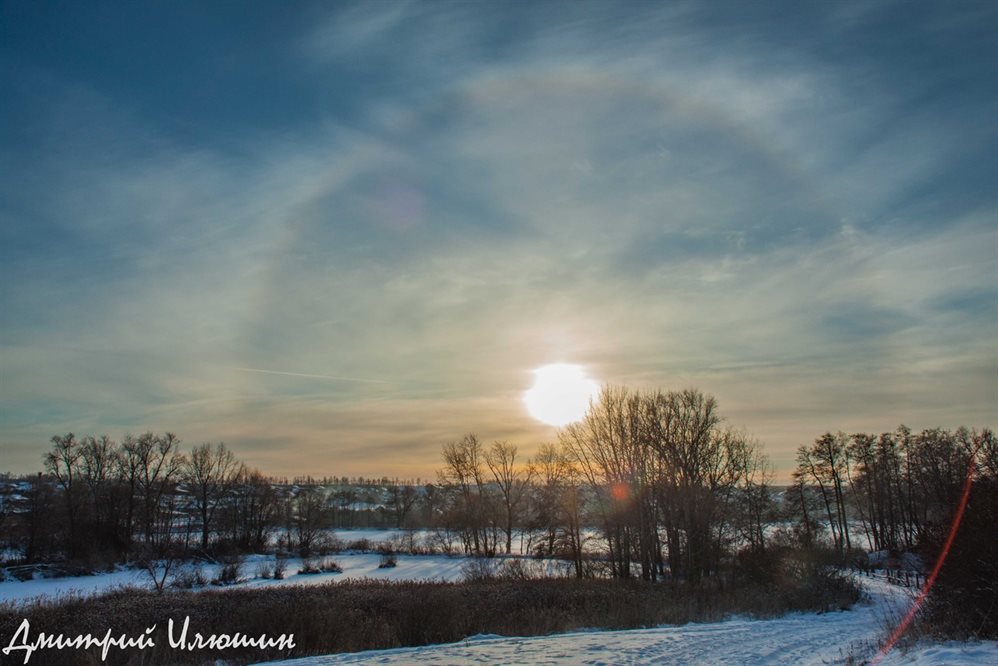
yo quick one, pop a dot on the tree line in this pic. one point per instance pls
(100, 501)
(648, 484)
(898, 488)
(654, 484)
(668, 487)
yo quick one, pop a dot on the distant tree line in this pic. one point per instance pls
(102, 501)
(648, 484)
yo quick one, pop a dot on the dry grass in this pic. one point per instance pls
(368, 615)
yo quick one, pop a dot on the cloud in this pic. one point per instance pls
(633, 193)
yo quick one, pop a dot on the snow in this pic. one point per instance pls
(18, 591)
(944, 654)
(798, 639)
(355, 566)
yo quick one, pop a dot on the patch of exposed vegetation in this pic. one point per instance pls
(371, 615)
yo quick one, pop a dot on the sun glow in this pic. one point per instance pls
(560, 394)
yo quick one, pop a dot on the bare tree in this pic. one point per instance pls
(753, 503)
(209, 472)
(255, 509)
(558, 503)
(41, 529)
(661, 460)
(827, 463)
(62, 462)
(550, 471)
(513, 483)
(463, 470)
(702, 466)
(152, 465)
(610, 456)
(402, 497)
(309, 518)
(99, 460)
(159, 561)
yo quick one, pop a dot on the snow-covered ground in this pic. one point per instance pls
(798, 638)
(355, 566)
(826, 638)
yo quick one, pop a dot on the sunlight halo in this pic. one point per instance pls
(561, 394)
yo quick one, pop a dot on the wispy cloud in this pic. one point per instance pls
(311, 376)
(445, 199)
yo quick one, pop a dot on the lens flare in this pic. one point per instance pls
(924, 593)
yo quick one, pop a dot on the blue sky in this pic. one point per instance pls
(406, 207)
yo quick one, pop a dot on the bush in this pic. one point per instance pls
(330, 566)
(231, 572)
(312, 567)
(309, 567)
(478, 569)
(359, 545)
(442, 541)
(326, 543)
(404, 542)
(388, 561)
(189, 578)
(755, 566)
(280, 565)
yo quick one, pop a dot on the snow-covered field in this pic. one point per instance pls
(827, 638)
(355, 566)
(799, 638)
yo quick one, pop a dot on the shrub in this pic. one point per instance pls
(310, 566)
(330, 566)
(360, 545)
(515, 568)
(189, 578)
(442, 541)
(231, 572)
(326, 543)
(388, 561)
(280, 565)
(404, 542)
(478, 569)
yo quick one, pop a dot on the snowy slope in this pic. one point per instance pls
(794, 639)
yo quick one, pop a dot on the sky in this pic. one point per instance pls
(338, 235)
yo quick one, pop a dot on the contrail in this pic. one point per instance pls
(303, 374)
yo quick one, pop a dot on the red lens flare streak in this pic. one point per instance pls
(954, 527)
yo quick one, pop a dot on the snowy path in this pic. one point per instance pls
(794, 639)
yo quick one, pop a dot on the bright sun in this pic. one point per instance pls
(560, 394)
